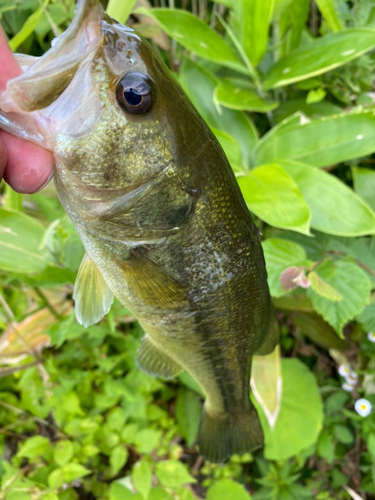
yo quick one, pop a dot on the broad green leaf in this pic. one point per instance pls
(33, 447)
(188, 414)
(199, 86)
(364, 184)
(74, 471)
(189, 382)
(343, 434)
(252, 18)
(367, 317)
(28, 27)
(321, 55)
(120, 9)
(321, 143)
(147, 440)
(314, 111)
(292, 22)
(274, 197)
(315, 95)
(280, 6)
(231, 148)
(301, 413)
(159, 493)
(266, 384)
(329, 10)
(195, 35)
(351, 282)
(119, 492)
(117, 459)
(234, 97)
(63, 452)
(20, 241)
(315, 328)
(172, 473)
(142, 478)
(279, 255)
(226, 489)
(322, 288)
(335, 208)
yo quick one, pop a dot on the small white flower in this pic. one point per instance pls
(344, 370)
(363, 407)
(371, 336)
(352, 378)
(347, 387)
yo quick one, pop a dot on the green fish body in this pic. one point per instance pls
(159, 211)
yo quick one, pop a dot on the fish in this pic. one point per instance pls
(160, 214)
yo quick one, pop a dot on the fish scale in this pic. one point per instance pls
(156, 204)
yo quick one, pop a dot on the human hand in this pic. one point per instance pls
(27, 167)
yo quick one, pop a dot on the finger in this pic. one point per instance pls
(29, 167)
(3, 158)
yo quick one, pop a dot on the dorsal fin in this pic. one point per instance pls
(93, 297)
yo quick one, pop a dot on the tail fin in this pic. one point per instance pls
(222, 436)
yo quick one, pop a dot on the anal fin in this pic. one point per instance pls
(93, 297)
(155, 361)
(271, 339)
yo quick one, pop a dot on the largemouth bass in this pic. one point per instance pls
(158, 209)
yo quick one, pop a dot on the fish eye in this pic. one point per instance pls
(135, 93)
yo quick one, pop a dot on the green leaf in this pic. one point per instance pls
(235, 123)
(195, 35)
(329, 10)
(118, 492)
(291, 25)
(314, 111)
(367, 317)
(234, 97)
(159, 493)
(322, 142)
(172, 474)
(252, 18)
(231, 148)
(118, 458)
(63, 452)
(20, 241)
(343, 434)
(28, 27)
(226, 489)
(189, 382)
(120, 9)
(188, 414)
(321, 55)
(147, 440)
(33, 447)
(322, 288)
(315, 95)
(351, 282)
(301, 413)
(364, 184)
(274, 197)
(279, 255)
(74, 471)
(142, 478)
(335, 208)
(315, 328)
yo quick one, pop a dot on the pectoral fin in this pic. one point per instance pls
(93, 298)
(155, 361)
(152, 284)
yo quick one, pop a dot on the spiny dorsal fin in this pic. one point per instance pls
(152, 284)
(155, 361)
(93, 297)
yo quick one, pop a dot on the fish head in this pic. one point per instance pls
(107, 107)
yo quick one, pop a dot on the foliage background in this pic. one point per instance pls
(287, 86)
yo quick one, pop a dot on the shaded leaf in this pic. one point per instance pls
(364, 184)
(274, 197)
(117, 459)
(351, 282)
(329, 10)
(321, 55)
(33, 447)
(315, 328)
(142, 478)
(188, 414)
